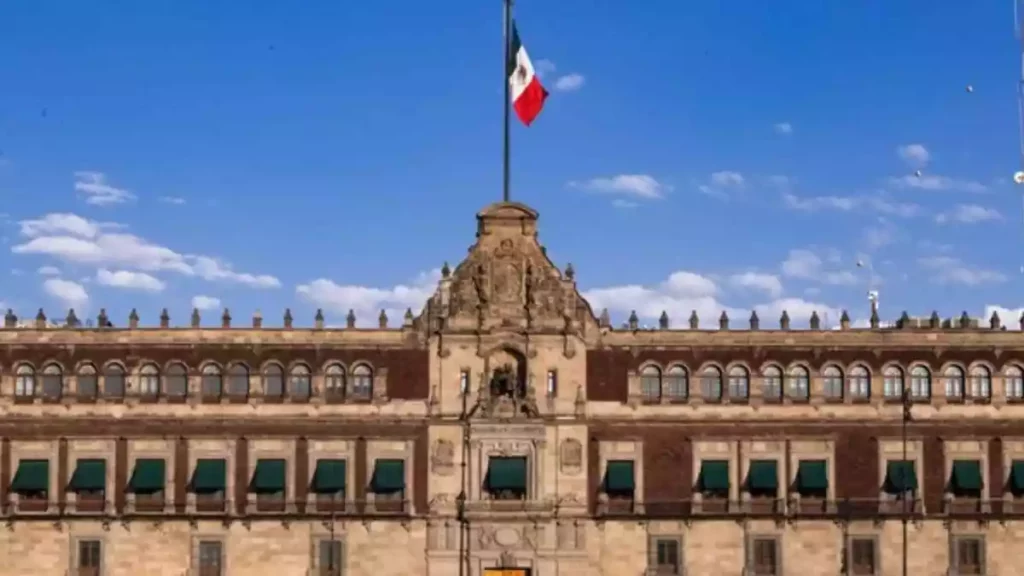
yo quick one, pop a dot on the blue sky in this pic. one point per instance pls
(698, 155)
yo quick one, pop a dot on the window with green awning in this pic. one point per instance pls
(1017, 477)
(269, 477)
(388, 476)
(965, 478)
(506, 474)
(763, 477)
(900, 476)
(33, 476)
(329, 477)
(812, 478)
(619, 478)
(90, 476)
(714, 477)
(210, 476)
(148, 477)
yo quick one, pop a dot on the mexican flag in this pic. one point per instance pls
(527, 93)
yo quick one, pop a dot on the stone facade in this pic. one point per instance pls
(507, 429)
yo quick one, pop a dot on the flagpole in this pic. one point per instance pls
(505, 195)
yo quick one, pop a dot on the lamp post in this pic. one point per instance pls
(906, 402)
(460, 512)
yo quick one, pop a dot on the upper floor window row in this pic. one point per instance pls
(856, 383)
(212, 382)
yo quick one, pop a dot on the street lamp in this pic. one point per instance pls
(907, 403)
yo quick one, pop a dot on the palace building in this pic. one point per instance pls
(510, 430)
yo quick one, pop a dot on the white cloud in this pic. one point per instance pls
(94, 187)
(969, 214)
(205, 302)
(635, 185)
(570, 82)
(129, 280)
(768, 283)
(875, 237)
(1010, 317)
(71, 238)
(875, 203)
(367, 302)
(624, 204)
(805, 264)
(950, 270)
(722, 183)
(934, 182)
(48, 271)
(783, 128)
(70, 293)
(914, 154)
(172, 200)
(543, 67)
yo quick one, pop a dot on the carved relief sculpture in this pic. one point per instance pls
(443, 458)
(571, 456)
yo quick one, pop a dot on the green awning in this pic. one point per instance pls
(388, 476)
(329, 476)
(32, 476)
(1017, 476)
(209, 476)
(812, 476)
(714, 476)
(966, 476)
(90, 476)
(506, 474)
(900, 476)
(618, 477)
(148, 477)
(763, 475)
(269, 477)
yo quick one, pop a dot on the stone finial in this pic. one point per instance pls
(257, 319)
(72, 320)
(580, 403)
(844, 320)
(934, 322)
(965, 320)
(815, 321)
(350, 320)
(102, 321)
(1021, 320)
(446, 271)
(723, 321)
(634, 321)
(11, 321)
(694, 320)
(382, 320)
(876, 322)
(994, 322)
(409, 318)
(784, 320)
(196, 318)
(318, 320)
(165, 319)
(288, 319)
(663, 320)
(570, 272)
(605, 321)
(133, 319)
(755, 322)
(40, 319)
(225, 319)
(904, 321)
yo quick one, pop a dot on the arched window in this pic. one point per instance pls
(212, 382)
(149, 381)
(650, 383)
(832, 378)
(739, 383)
(25, 383)
(87, 382)
(53, 381)
(113, 381)
(981, 383)
(677, 386)
(273, 381)
(1014, 382)
(892, 387)
(771, 385)
(300, 385)
(953, 378)
(176, 380)
(799, 383)
(711, 384)
(238, 381)
(334, 380)
(858, 383)
(362, 382)
(920, 383)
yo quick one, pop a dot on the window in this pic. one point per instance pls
(861, 557)
(552, 382)
(177, 381)
(464, 382)
(329, 481)
(362, 382)
(388, 484)
(208, 483)
(273, 381)
(212, 382)
(833, 383)
(772, 383)
(90, 557)
(53, 382)
(87, 382)
(25, 385)
(900, 479)
(32, 485)
(739, 383)
(967, 555)
(89, 483)
(965, 479)
(650, 384)
(329, 558)
(713, 481)
(507, 478)
(953, 377)
(300, 384)
(147, 483)
(892, 387)
(920, 383)
(799, 383)
(149, 381)
(812, 478)
(763, 479)
(764, 559)
(238, 381)
(334, 381)
(664, 556)
(711, 384)
(269, 483)
(113, 381)
(677, 386)
(980, 387)
(858, 383)
(619, 485)
(210, 561)
(1014, 380)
